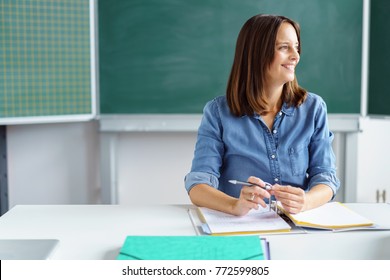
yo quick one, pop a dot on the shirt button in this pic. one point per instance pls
(280, 113)
(274, 131)
(276, 180)
(273, 156)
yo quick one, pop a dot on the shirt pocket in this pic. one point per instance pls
(299, 159)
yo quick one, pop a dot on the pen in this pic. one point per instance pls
(267, 186)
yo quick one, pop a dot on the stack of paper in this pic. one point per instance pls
(332, 215)
(256, 221)
(194, 248)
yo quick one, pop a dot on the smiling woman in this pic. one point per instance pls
(266, 129)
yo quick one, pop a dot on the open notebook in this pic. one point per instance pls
(256, 221)
(331, 216)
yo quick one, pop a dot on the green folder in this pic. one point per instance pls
(192, 248)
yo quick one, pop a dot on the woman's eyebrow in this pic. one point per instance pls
(287, 42)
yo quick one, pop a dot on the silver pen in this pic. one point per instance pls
(267, 187)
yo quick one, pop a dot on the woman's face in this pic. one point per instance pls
(286, 58)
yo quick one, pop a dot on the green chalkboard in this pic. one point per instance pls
(173, 56)
(379, 91)
(45, 60)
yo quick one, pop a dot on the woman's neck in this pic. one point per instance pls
(273, 96)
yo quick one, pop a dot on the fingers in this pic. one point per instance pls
(292, 198)
(248, 195)
(292, 206)
(254, 195)
(256, 191)
(257, 181)
(287, 192)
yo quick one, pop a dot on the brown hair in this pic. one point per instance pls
(255, 49)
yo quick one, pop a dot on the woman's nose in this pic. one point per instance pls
(294, 55)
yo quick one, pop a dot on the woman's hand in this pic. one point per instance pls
(251, 197)
(292, 199)
(296, 200)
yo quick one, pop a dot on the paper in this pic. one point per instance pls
(256, 221)
(332, 215)
(192, 248)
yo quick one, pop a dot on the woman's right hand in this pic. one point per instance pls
(251, 197)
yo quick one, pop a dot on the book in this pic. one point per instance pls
(194, 248)
(255, 222)
(331, 216)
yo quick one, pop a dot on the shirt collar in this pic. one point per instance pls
(287, 110)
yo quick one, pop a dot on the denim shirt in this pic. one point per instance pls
(297, 151)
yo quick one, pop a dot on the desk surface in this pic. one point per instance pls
(98, 231)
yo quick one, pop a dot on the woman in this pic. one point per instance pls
(266, 129)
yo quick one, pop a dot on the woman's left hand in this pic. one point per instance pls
(292, 199)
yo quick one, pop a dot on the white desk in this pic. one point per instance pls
(98, 231)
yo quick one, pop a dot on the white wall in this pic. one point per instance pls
(373, 159)
(152, 166)
(59, 164)
(53, 163)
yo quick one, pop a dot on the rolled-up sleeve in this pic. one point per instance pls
(195, 178)
(209, 150)
(322, 166)
(328, 179)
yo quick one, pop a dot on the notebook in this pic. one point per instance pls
(194, 248)
(27, 249)
(255, 222)
(332, 216)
